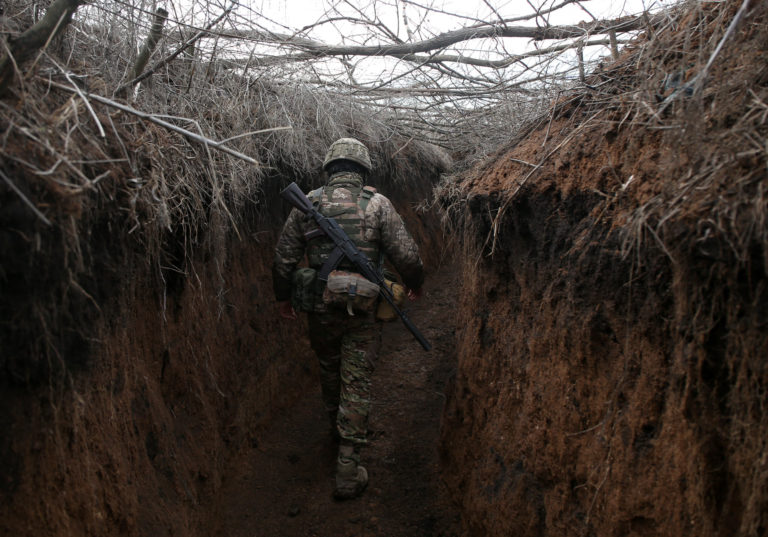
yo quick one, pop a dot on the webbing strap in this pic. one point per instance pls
(363, 196)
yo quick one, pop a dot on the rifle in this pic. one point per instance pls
(345, 247)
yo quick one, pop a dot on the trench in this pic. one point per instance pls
(282, 486)
(599, 364)
(197, 411)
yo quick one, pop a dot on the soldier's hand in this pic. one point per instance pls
(286, 310)
(414, 294)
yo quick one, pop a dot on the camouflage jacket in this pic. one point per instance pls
(380, 225)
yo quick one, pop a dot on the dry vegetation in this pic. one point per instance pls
(97, 170)
(91, 193)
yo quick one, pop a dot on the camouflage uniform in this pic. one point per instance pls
(346, 346)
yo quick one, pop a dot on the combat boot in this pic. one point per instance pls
(351, 478)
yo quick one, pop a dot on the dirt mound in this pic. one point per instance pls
(612, 334)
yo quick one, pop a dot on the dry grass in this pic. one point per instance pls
(658, 90)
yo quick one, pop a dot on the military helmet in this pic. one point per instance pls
(348, 149)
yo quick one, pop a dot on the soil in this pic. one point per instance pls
(611, 334)
(283, 485)
(177, 429)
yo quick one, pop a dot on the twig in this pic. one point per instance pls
(600, 485)
(170, 126)
(402, 147)
(734, 23)
(261, 131)
(524, 162)
(551, 117)
(31, 205)
(80, 93)
(13, 67)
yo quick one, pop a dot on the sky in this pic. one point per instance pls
(288, 16)
(300, 13)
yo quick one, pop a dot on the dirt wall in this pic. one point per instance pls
(580, 408)
(611, 334)
(159, 371)
(598, 397)
(135, 444)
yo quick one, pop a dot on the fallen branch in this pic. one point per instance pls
(149, 117)
(440, 42)
(439, 58)
(731, 28)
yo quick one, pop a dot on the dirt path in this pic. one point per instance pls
(284, 486)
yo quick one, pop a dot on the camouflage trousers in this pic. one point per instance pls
(347, 347)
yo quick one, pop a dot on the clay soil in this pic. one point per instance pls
(282, 486)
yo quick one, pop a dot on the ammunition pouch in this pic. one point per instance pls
(385, 312)
(350, 291)
(304, 289)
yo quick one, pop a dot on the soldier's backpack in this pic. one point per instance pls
(351, 291)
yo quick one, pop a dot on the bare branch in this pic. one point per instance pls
(446, 58)
(408, 50)
(26, 201)
(171, 57)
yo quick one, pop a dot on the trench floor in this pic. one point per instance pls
(283, 486)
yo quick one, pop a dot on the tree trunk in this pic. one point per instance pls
(24, 47)
(155, 33)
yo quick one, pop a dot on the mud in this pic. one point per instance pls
(283, 485)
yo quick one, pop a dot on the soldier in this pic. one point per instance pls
(346, 342)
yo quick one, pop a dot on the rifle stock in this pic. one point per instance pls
(293, 195)
(331, 229)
